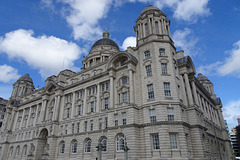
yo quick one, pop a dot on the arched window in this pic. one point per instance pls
(62, 147)
(74, 146)
(18, 150)
(103, 142)
(120, 142)
(25, 150)
(88, 145)
(11, 151)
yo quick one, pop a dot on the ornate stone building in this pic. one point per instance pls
(146, 98)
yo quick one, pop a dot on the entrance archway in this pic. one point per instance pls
(42, 145)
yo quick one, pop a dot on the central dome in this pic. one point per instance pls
(150, 7)
(105, 41)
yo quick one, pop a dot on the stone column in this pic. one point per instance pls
(73, 105)
(169, 33)
(23, 116)
(160, 26)
(153, 26)
(85, 102)
(8, 111)
(35, 118)
(195, 93)
(189, 93)
(144, 31)
(131, 87)
(29, 117)
(16, 121)
(56, 108)
(185, 102)
(13, 117)
(98, 98)
(43, 111)
(111, 90)
(150, 26)
(164, 26)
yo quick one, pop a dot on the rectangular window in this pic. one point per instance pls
(106, 122)
(91, 124)
(150, 91)
(79, 109)
(152, 115)
(78, 127)
(103, 87)
(170, 114)
(124, 81)
(106, 103)
(93, 90)
(68, 112)
(100, 123)
(73, 125)
(148, 70)
(124, 118)
(147, 54)
(85, 126)
(66, 129)
(125, 96)
(89, 91)
(92, 106)
(164, 68)
(162, 52)
(167, 90)
(155, 141)
(116, 119)
(146, 30)
(107, 86)
(173, 140)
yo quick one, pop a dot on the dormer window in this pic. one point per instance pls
(83, 77)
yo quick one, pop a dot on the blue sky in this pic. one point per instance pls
(43, 37)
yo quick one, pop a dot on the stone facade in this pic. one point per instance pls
(3, 104)
(146, 98)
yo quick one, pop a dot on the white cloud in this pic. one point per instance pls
(83, 17)
(8, 74)
(186, 41)
(46, 53)
(230, 66)
(190, 10)
(187, 10)
(231, 112)
(129, 41)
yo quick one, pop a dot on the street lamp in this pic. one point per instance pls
(125, 149)
(99, 149)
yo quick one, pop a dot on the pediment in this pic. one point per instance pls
(51, 87)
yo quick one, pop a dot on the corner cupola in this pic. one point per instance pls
(23, 86)
(152, 24)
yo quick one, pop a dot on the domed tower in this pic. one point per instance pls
(207, 84)
(100, 51)
(23, 86)
(152, 24)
